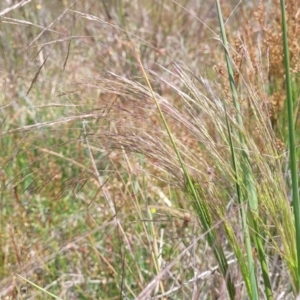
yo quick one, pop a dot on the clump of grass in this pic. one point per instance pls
(264, 181)
(128, 175)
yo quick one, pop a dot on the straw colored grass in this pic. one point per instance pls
(95, 201)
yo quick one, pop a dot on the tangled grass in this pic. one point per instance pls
(127, 169)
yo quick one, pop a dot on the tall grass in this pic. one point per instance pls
(137, 162)
(292, 152)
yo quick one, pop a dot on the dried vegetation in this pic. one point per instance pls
(93, 199)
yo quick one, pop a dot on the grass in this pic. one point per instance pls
(137, 162)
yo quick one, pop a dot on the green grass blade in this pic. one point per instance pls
(248, 182)
(40, 288)
(253, 283)
(292, 150)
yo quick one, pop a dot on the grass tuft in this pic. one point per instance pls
(136, 162)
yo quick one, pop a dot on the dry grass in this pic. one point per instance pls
(92, 195)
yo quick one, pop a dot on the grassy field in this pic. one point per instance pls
(127, 168)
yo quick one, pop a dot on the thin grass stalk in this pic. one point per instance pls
(254, 290)
(40, 288)
(249, 182)
(292, 149)
(156, 256)
(245, 226)
(198, 203)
